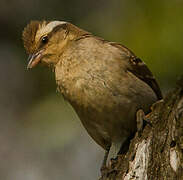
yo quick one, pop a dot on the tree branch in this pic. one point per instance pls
(157, 152)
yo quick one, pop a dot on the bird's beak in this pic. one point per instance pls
(34, 59)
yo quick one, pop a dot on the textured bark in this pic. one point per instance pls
(157, 152)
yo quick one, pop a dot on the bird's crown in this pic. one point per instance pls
(29, 34)
(35, 30)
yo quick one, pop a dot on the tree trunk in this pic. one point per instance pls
(157, 152)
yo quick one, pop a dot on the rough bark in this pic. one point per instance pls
(156, 153)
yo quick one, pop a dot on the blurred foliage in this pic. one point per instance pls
(40, 130)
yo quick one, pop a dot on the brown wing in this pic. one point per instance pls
(139, 69)
(136, 66)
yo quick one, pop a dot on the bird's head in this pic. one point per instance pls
(45, 41)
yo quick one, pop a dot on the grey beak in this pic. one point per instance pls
(30, 59)
(33, 59)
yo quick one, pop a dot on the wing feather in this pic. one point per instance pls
(140, 69)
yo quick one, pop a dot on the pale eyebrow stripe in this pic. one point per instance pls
(49, 27)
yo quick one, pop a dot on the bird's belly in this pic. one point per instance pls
(107, 122)
(107, 109)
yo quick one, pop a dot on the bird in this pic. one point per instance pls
(105, 82)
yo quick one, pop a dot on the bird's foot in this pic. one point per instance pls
(109, 168)
(140, 118)
(104, 171)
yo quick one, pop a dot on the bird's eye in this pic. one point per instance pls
(44, 39)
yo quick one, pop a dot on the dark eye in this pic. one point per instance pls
(44, 39)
